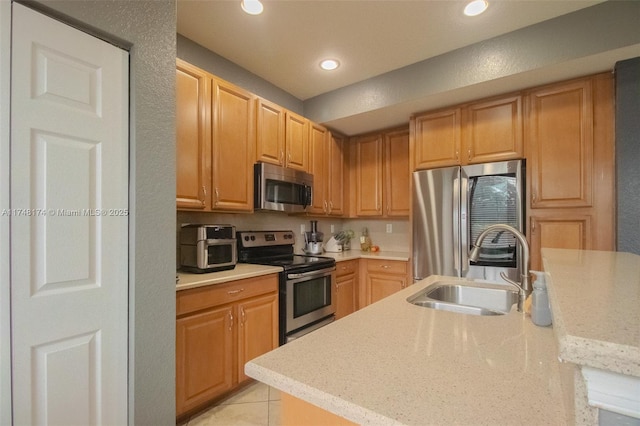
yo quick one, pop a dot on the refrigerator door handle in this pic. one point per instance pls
(456, 225)
(463, 246)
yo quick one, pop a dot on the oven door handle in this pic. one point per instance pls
(318, 272)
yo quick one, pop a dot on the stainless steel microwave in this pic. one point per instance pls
(207, 248)
(279, 188)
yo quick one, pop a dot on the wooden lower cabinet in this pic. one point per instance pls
(383, 278)
(568, 231)
(201, 339)
(218, 329)
(346, 288)
(257, 329)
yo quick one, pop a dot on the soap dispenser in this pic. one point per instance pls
(540, 309)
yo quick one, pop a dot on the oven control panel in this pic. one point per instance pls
(266, 238)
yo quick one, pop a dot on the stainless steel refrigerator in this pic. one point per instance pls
(453, 205)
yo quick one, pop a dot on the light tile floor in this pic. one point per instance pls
(254, 405)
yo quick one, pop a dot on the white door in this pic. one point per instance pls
(69, 224)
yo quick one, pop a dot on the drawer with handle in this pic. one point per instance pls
(388, 266)
(346, 267)
(219, 294)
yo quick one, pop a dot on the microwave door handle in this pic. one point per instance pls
(307, 196)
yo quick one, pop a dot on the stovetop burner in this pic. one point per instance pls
(275, 248)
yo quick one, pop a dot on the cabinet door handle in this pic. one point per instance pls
(388, 209)
(469, 154)
(330, 206)
(230, 320)
(324, 208)
(204, 195)
(282, 157)
(385, 266)
(533, 197)
(217, 195)
(457, 155)
(533, 227)
(234, 292)
(242, 316)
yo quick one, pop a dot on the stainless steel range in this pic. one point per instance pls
(306, 282)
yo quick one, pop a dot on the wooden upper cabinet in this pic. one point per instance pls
(485, 131)
(369, 178)
(193, 134)
(382, 174)
(233, 144)
(560, 140)
(492, 130)
(270, 136)
(296, 142)
(319, 167)
(436, 139)
(336, 175)
(326, 163)
(397, 173)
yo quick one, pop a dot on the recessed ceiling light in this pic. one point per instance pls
(476, 7)
(329, 64)
(252, 7)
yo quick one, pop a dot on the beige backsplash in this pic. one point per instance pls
(397, 240)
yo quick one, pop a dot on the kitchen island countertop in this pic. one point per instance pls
(595, 298)
(393, 363)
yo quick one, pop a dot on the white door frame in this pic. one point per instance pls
(5, 278)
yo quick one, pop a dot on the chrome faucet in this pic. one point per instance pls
(524, 287)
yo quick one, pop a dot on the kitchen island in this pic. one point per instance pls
(595, 299)
(393, 363)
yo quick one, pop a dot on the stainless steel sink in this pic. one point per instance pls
(489, 299)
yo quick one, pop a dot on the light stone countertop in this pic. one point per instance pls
(595, 300)
(393, 363)
(358, 254)
(188, 280)
(242, 270)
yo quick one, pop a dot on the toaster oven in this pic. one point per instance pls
(207, 248)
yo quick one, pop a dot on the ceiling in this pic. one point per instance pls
(285, 44)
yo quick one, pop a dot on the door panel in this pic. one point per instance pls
(566, 231)
(258, 330)
(561, 145)
(193, 136)
(201, 339)
(69, 192)
(233, 145)
(369, 179)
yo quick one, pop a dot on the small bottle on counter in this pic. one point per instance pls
(365, 240)
(540, 309)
